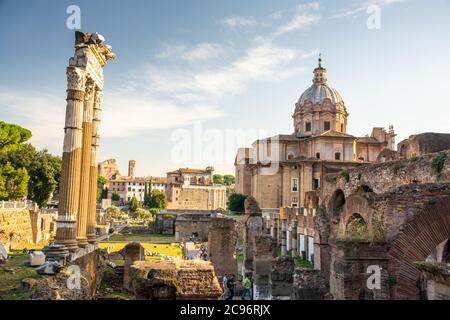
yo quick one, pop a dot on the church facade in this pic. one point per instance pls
(279, 171)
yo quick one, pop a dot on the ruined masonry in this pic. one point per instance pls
(75, 233)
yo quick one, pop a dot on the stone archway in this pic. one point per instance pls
(337, 203)
(414, 242)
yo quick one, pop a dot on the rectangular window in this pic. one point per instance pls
(318, 155)
(342, 127)
(294, 185)
(308, 127)
(326, 125)
(294, 205)
(316, 184)
(337, 156)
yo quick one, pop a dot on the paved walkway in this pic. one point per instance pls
(106, 236)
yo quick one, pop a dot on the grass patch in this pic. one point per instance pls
(396, 168)
(165, 249)
(136, 233)
(303, 263)
(10, 281)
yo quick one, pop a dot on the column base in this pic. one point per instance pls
(82, 242)
(71, 245)
(91, 239)
(57, 252)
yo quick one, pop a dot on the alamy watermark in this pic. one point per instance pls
(73, 21)
(374, 19)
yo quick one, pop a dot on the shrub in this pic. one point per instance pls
(236, 202)
(438, 163)
(413, 157)
(346, 176)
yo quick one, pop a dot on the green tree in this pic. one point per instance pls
(115, 196)
(15, 182)
(229, 179)
(12, 134)
(218, 178)
(134, 204)
(236, 202)
(45, 175)
(158, 200)
(143, 214)
(114, 212)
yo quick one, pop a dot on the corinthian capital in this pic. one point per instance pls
(76, 79)
(98, 99)
(90, 90)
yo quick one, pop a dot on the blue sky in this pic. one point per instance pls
(224, 72)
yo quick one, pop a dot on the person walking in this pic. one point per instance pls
(224, 281)
(247, 288)
(230, 287)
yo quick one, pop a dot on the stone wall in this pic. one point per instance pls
(222, 240)
(15, 227)
(185, 227)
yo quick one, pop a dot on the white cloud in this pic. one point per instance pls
(204, 51)
(125, 113)
(201, 52)
(235, 22)
(40, 112)
(300, 21)
(265, 62)
(359, 8)
(276, 15)
(309, 6)
(171, 50)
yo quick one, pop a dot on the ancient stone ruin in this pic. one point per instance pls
(75, 229)
(182, 279)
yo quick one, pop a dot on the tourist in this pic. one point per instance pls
(230, 287)
(247, 288)
(224, 282)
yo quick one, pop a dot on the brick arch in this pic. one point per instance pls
(414, 242)
(356, 204)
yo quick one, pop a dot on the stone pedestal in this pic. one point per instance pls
(281, 278)
(134, 251)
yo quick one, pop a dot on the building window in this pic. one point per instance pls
(318, 155)
(326, 125)
(294, 205)
(316, 184)
(294, 185)
(342, 127)
(290, 156)
(337, 156)
(308, 127)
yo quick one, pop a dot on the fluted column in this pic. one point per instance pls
(85, 164)
(71, 160)
(92, 204)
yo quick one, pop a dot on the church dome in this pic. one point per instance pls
(319, 91)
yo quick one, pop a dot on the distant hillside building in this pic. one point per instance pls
(193, 189)
(108, 169)
(129, 186)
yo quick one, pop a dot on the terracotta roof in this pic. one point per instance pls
(368, 140)
(189, 170)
